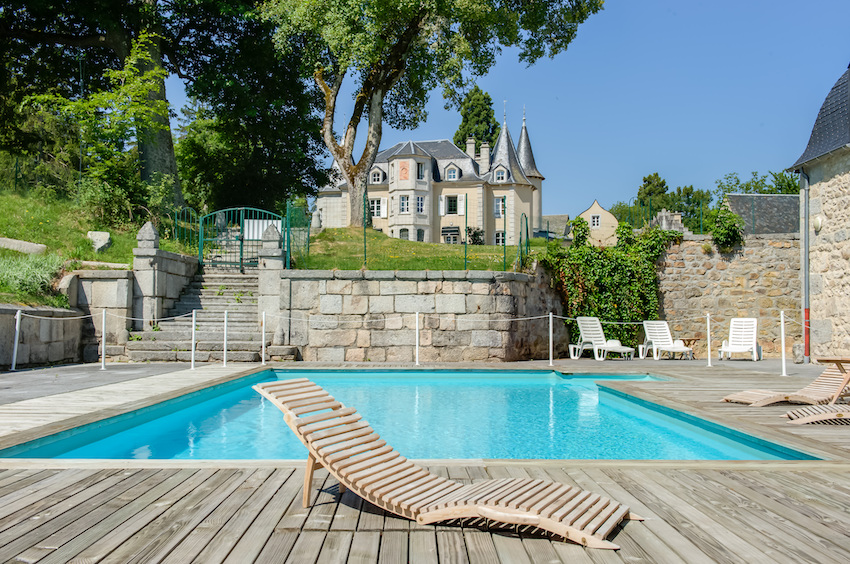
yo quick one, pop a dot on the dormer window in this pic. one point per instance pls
(500, 175)
(376, 177)
(451, 174)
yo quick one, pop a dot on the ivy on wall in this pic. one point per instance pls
(612, 283)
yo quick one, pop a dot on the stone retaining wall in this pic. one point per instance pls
(338, 316)
(47, 340)
(758, 280)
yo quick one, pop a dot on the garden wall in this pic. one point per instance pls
(50, 339)
(758, 280)
(338, 316)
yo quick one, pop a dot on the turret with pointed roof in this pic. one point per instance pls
(505, 154)
(526, 156)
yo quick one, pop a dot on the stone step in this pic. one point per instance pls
(213, 317)
(186, 356)
(199, 345)
(216, 306)
(186, 336)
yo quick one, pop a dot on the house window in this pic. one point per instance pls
(420, 171)
(375, 207)
(500, 238)
(420, 204)
(500, 175)
(420, 235)
(451, 205)
(452, 239)
(404, 234)
(499, 207)
(595, 221)
(376, 177)
(451, 174)
(404, 205)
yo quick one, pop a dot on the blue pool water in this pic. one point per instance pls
(423, 414)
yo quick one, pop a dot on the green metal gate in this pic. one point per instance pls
(234, 237)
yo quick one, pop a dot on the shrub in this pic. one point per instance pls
(728, 230)
(29, 274)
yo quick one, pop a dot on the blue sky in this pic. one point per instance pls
(690, 89)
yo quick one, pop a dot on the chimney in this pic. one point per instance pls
(484, 158)
(470, 147)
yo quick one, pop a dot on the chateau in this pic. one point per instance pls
(432, 190)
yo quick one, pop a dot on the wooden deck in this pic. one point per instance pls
(242, 512)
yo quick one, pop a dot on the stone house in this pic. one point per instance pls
(824, 169)
(603, 225)
(432, 190)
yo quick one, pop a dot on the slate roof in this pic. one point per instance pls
(832, 126)
(526, 156)
(442, 152)
(767, 213)
(505, 154)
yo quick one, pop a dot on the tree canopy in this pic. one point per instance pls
(477, 119)
(397, 52)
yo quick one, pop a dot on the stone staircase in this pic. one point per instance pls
(211, 293)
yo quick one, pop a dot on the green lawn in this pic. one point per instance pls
(343, 249)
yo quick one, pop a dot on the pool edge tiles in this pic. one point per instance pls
(782, 451)
(504, 375)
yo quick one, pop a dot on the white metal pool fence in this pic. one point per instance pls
(323, 321)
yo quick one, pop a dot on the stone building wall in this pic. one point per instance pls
(829, 254)
(338, 316)
(758, 280)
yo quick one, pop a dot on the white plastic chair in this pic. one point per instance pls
(742, 338)
(658, 338)
(592, 337)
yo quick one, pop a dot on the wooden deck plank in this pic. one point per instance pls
(249, 546)
(347, 512)
(451, 547)
(480, 548)
(509, 548)
(336, 547)
(394, 548)
(200, 539)
(423, 547)
(171, 521)
(365, 547)
(324, 506)
(184, 481)
(306, 548)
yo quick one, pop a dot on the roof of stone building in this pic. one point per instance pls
(526, 155)
(505, 154)
(832, 126)
(767, 213)
(442, 151)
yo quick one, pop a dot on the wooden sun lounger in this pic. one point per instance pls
(339, 440)
(828, 414)
(833, 383)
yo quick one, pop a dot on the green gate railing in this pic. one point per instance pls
(234, 237)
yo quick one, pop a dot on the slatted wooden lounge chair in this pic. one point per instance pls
(339, 440)
(658, 339)
(827, 414)
(592, 337)
(826, 388)
(742, 338)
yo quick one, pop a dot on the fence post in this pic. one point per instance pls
(782, 339)
(103, 339)
(417, 338)
(193, 338)
(263, 358)
(224, 356)
(708, 336)
(17, 338)
(551, 347)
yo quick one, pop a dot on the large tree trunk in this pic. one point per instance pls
(156, 148)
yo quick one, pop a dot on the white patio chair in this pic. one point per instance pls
(658, 339)
(592, 337)
(742, 338)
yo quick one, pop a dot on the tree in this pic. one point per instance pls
(778, 183)
(254, 140)
(397, 52)
(477, 120)
(62, 46)
(652, 193)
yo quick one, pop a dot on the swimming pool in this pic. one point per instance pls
(423, 414)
